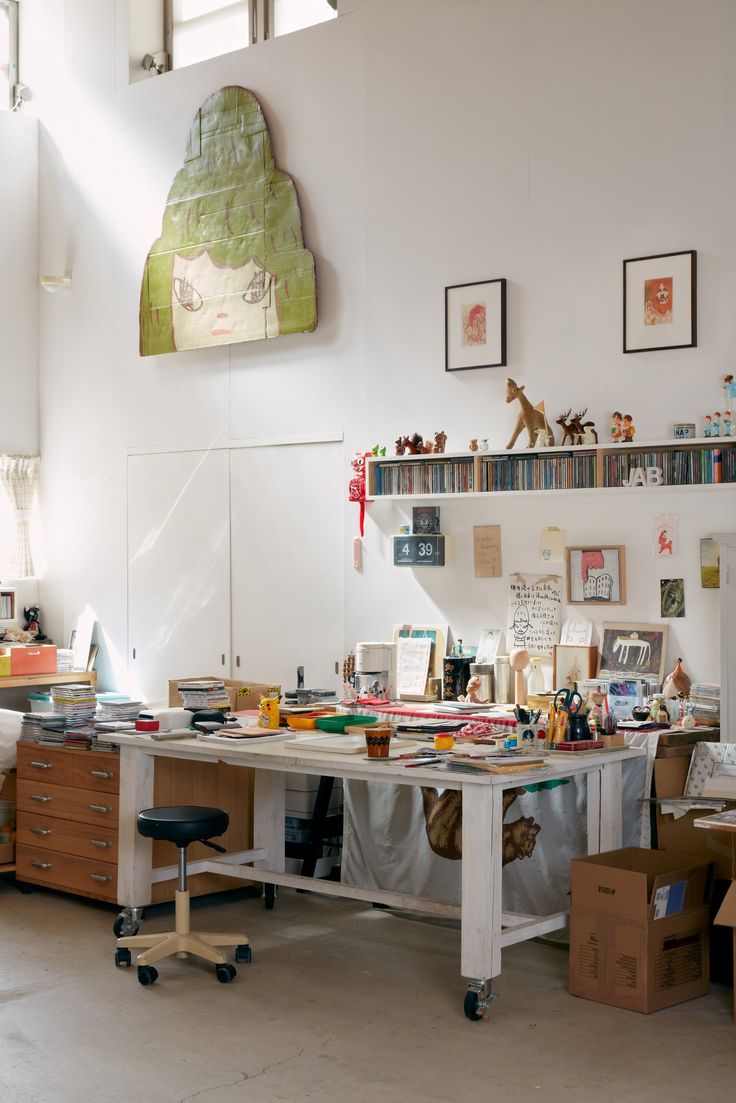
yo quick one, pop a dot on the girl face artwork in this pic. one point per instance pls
(217, 304)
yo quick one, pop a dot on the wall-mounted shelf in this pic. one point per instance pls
(708, 462)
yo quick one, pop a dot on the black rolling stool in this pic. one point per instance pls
(182, 825)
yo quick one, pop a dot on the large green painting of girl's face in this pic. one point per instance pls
(230, 264)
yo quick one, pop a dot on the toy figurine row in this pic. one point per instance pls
(718, 425)
(415, 445)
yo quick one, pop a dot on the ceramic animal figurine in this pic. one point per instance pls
(483, 444)
(717, 423)
(473, 446)
(426, 446)
(580, 427)
(543, 439)
(531, 417)
(440, 440)
(617, 430)
(400, 446)
(416, 444)
(727, 423)
(676, 684)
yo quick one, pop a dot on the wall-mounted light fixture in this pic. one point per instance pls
(55, 283)
(156, 63)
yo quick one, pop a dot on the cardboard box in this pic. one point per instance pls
(680, 834)
(726, 917)
(243, 695)
(31, 659)
(639, 928)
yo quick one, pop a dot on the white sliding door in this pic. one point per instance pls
(286, 506)
(178, 568)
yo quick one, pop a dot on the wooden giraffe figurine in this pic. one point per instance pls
(531, 417)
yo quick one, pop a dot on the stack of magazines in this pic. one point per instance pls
(75, 701)
(207, 693)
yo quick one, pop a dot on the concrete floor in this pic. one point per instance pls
(341, 1003)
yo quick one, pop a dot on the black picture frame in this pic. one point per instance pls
(679, 282)
(490, 351)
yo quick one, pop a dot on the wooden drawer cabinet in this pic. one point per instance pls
(68, 837)
(65, 871)
(68, 819)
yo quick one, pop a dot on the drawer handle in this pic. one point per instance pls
(42, 765)
(105, 774)
(101, 843)
(99, 807)
(41, 830)
(104, 877)
(43, 800)
(40, 865)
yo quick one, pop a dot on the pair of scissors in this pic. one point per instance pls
(571, 701)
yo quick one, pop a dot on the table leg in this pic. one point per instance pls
(134, 852)
(269, 801)
(593, 810)
(611, 794)
(480, 948)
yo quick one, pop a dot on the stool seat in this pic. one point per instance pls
(182, 824)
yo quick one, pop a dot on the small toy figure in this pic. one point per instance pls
(473, 446)
(32, 624)
(415, 444)
(531, 417)
(483, 444)
(440, 440)
(543, 439)
(707, 429)
(377, 450)
(426, 446)
(727, 424)
(617, 431)
(629, 429)
(400, 445)
(269, 710)
(716, 426)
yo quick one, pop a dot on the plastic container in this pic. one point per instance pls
(41, 702)
(339, 723)
(7, 812)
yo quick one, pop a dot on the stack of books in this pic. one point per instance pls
(75, 702)
(117, 708)
(706, 700)
(36, 724)
(205, 694)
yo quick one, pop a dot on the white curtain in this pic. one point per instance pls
(19, 476)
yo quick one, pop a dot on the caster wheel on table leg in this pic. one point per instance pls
(147, 974)
(122, 956)
(471, 1008)
(269, 896)
(122, 926)
(225, 973)
(243, 955)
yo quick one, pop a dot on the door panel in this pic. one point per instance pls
(286, 505)
(178, 568)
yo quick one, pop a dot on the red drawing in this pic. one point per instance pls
(665, 545)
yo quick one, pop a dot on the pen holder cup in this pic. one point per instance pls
(528, 737)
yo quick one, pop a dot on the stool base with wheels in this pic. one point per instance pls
(182, 825)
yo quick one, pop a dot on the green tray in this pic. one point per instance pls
(340, 723)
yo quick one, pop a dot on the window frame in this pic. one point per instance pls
(11, 6)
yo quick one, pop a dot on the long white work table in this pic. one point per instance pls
(485, 927)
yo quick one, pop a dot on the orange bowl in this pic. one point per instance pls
(303, 721)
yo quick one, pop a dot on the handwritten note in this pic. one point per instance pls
(412, 664)
(487, 551)
(535, 604)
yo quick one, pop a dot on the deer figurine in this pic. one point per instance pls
(568, 427)
(531, 417)
(583, 429)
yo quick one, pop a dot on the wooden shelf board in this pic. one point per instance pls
(88, 677)
(525, 493)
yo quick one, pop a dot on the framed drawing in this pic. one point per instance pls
(572, 663)
(596, 576)
(475, 325)
(636, 650)
(660, 302)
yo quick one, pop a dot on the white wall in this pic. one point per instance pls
(542, 141)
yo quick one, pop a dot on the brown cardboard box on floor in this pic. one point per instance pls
(639, 928)
(680, 834)
(243, 695)
(726, 917)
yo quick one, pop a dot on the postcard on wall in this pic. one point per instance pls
(535, 603)
(490, 638)
(487, 551)
(710, 564)
(425, 520)
(664, 535)
(672, 597)
(577, 630)
(552, 544)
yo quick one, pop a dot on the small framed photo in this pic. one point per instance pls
(632, 650)
(660, 302)
(596, 576)
(572, 663)
(475, 325)
(425, 520)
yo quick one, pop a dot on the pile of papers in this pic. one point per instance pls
(75, 702)
(64, 663)
(705, 698)
(205, 694)
(117, 709)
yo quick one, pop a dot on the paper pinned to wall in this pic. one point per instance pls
(412, 664)
(487, 551)
(552, 544)
(535, 604)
